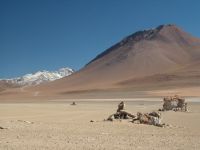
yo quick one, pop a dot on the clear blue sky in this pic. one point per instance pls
(50, 34)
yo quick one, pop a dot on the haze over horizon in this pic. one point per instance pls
(47, 35)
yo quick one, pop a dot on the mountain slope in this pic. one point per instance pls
(4, 84)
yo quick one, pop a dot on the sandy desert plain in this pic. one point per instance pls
(55, 124)
(162, 61)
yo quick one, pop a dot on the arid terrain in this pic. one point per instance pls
(58, 125)
(99, 75)
(141, 69)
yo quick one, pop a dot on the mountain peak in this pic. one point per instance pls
(149, 33)
(166, 26)
(139, 36)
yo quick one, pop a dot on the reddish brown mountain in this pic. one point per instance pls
(164, 56)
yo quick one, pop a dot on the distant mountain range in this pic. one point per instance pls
(38, 77)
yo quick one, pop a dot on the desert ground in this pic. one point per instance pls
(56, 124)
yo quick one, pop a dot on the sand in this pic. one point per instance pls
(58, 125)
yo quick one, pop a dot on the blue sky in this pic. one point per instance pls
(50, 34)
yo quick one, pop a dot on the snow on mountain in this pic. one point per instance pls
(40, 77)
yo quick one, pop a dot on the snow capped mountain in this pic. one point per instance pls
(40, 77)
